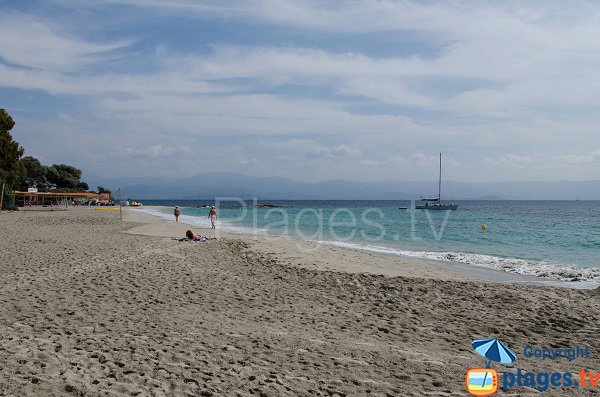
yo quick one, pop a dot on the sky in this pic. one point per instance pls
(309, 90)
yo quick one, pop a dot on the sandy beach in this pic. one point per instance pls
(92, 306)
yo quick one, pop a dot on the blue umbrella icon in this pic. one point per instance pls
(494, 350)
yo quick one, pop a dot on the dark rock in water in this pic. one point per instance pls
(267, 206)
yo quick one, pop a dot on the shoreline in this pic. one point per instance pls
(303, 254)
(409, 266)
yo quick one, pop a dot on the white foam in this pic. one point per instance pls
(166, 213)
(540, 269)
(158, 212)
(512, 265)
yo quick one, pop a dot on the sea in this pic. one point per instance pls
(549, 239)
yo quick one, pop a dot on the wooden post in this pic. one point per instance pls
(120, 206)
(1, 198)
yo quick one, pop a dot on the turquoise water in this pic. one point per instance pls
(559, 239)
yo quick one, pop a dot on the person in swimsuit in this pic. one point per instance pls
(195, 237)
(213, 216)
(176, 213)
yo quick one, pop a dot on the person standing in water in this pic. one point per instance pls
(213, 216)
(176, 213)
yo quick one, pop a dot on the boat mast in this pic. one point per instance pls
(440, 182)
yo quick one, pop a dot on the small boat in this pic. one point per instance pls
(436, 203)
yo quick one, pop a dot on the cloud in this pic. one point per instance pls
(546, 161)
(65, 117)
(369, 163)
(151, 151)
(248, 162)
(294, 148)
(331, 152)
(29, 42)
(359, 16)
(397, 161)
(345, 151)
(419, 160)
(104, 84)
(578, 159)
(311, 148)
(470, 80)
(499, 61)
(531, 75)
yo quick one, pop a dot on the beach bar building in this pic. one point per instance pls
(34, 198)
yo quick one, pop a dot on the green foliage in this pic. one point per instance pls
(102, 189)
(35, 174)
(63, 176)
(59, 176)
(11, 169)
(10, 152)
(18, 172)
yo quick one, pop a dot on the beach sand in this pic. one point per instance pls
(92, 306)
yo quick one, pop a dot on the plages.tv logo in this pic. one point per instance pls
(484, 381)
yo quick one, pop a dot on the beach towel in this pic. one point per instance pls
(201, 239)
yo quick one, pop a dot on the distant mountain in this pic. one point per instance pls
(221, 184)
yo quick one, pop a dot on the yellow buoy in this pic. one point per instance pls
(483, 226)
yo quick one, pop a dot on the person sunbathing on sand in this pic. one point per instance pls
(196, 237)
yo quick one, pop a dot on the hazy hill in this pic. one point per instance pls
(215, 184)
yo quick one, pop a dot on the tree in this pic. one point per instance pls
(102, 189)
(35, 174)
(10, 151)
(17, 172)
(11, 169)
(63, 176)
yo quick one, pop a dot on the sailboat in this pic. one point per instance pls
(436, 202)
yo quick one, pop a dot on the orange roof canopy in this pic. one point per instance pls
(104, 196)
